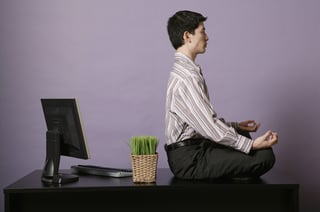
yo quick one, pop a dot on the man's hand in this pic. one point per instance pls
(267, 140)
(249, 125)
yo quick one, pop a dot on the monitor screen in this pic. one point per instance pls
(65, 136)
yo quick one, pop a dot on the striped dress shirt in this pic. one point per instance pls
(189, 113)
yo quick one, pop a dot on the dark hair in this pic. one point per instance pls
(180, 22)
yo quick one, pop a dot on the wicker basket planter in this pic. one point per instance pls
(144, 168)
(144, 158)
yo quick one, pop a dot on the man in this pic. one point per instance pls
(199, 144)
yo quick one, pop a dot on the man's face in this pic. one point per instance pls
(199, 40)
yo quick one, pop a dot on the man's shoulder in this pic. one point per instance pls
(185, 68)
(184, 79)
(185, 71)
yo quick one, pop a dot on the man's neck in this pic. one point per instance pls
(187, 53)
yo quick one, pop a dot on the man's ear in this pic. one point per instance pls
(186, 37)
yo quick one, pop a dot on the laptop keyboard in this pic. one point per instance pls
(101, 171)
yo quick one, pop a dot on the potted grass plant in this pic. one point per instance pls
(144, 158)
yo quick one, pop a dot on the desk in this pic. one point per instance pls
(94, 193)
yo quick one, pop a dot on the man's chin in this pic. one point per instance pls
(202, 51)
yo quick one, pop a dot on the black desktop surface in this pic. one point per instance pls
(164, 178)
(95, 193)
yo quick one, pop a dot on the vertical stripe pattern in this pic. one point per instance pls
(189, 113)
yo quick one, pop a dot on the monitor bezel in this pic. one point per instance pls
(48, 104)
(65, 137)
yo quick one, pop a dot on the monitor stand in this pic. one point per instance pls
(50, 173)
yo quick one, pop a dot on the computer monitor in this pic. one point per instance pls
(65, 136)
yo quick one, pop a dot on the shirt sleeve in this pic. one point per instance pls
(194, 107)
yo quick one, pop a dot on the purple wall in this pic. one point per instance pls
(262, 62)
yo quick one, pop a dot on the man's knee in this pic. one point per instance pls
(266, 158)
(269, 156)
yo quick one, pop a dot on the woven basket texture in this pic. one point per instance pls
(144, 168)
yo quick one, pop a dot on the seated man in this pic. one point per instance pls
(199, 144)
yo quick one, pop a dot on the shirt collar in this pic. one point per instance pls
(183, 57)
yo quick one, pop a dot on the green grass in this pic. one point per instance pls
(143, 145)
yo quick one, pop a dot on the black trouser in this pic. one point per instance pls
(209, 160)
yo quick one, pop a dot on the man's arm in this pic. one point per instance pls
(193, 106)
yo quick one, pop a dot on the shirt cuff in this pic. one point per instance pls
(245, 144)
